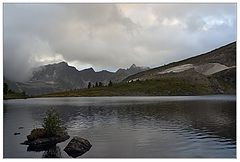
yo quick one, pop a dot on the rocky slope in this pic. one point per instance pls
(61, 77)
(211, 73)
(206, 64)
(206, 74)
(215, 69)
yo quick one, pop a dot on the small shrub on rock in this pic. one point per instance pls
(52, 123)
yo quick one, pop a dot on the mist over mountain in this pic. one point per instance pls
(109, 36)
(213, 72)
(61, 77)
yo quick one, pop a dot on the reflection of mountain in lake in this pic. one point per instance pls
(195, 116)
(132, 127)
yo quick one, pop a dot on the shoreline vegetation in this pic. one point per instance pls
(10, 94)
(161, 87)
(14, 95)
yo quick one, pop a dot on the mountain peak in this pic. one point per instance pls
(89, 70)
(62, 63)
(133, 66)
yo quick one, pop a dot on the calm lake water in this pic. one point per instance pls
(163, 127)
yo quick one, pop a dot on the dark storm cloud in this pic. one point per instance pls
(109, 36)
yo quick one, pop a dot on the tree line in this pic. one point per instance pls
(99, 84)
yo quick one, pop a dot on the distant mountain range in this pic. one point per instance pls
(207, 74)
(211, 73)
(61, 77)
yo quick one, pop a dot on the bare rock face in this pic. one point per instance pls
(77, 146)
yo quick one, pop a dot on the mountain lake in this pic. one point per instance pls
(129, 127)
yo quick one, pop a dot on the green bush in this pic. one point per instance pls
(52, 123)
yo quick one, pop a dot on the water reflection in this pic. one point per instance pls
(52, 152)
(213, 118)
(180, 128)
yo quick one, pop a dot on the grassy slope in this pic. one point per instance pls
(163, 86)
(187, 83)
(184, 83)
(226, 80)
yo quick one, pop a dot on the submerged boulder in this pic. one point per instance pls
(39, 141)
(77, 146)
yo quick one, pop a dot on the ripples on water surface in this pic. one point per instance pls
(191, 126)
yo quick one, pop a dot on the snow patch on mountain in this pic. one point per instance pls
(177, 69)
(205, 69)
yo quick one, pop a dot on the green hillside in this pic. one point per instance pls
(211, 73)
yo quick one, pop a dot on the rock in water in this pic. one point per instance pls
(16, 133)
(77, 146)
(36, 134)
(38, 141)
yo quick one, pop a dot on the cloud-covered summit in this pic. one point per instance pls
(110, 36)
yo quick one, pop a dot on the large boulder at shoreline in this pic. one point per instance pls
(39, 141)
(77, 146)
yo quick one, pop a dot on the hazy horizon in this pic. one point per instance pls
(111, 36)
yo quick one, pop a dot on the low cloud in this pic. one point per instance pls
(110, 36)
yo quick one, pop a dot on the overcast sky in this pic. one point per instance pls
(111, 36)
